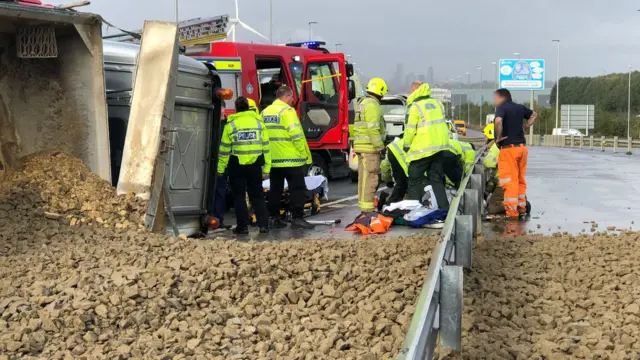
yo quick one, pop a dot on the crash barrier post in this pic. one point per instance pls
(615, 144)
(602, 143)
(591, 142)
(581, 142)
(629, 145)
(571, 139)
(439, 307)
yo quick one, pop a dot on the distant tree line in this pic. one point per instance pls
(608, 93)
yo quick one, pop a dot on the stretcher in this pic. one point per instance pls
(317, 189)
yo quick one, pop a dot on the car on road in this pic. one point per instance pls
(460, 126)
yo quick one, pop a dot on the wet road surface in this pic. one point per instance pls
(570, 188)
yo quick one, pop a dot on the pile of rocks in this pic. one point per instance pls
(55, 185)
(97, 291)
(561, 297)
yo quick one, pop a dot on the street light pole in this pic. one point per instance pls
(460, 95)
(497, 80)
(558, 85)
(337, 46)
(628, 107)
(481, 87)
(311, 23)
(176, 10)
(271, 21)
(468, 100)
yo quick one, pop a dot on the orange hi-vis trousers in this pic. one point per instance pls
(512, 167)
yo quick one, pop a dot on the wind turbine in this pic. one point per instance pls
(237, 21)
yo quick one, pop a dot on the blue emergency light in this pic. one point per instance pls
(308, 44)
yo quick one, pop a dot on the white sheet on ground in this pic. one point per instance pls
(403, 205)
(312, 182)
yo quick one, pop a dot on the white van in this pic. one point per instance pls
(566, 132)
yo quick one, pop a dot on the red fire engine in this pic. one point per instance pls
(322, 90)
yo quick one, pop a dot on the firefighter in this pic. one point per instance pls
(426, 137)
(368, 142)
(290, 155)
(396, 165)
(494, 193)
(244, 148)
(253, 106)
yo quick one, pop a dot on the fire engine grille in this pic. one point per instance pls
(37, 42)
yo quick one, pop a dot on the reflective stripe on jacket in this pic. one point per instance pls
(288, 144)
(244, 136)
(491, 160)
(369, 129)
(397, 149)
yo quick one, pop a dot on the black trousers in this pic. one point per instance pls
(434, 167)
(297, 190)
(400, 180)
(453, 167)
(247, 179)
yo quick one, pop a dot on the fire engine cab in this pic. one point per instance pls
(321, 84)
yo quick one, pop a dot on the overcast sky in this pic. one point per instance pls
(452, 36)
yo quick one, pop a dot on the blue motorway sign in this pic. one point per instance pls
(522, 74)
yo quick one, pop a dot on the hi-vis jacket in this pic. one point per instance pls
(369, 129)
(288, 145)
(426, 131)
(245, 137)
(465, 150)
(491, 160)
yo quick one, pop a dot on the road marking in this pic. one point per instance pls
(349, 198)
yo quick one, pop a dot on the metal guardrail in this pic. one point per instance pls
(589, 142)
(439, 308)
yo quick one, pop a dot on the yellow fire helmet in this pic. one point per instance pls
(488, 131)
(377, 86)
(252, 105)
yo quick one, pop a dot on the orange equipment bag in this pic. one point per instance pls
(370, 223)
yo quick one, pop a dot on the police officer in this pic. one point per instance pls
(368, 141)
(290, 153)
(426, 137)
(244, 148)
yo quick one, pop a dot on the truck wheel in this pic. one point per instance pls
(318, 166)
(354, 176)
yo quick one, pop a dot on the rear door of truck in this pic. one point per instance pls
(323, 105)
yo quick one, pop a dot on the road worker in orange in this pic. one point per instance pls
(512, 162)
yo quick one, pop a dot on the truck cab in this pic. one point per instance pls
(321, 84)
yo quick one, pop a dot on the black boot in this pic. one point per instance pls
(277, 223)
(241, 230)
(300, 223)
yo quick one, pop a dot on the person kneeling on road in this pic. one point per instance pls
(395, 169)
(494, 193)
(426, 137)
(290, 153)
(244, 147)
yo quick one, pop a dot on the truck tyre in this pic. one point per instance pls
(354, 176)
(318, 166)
